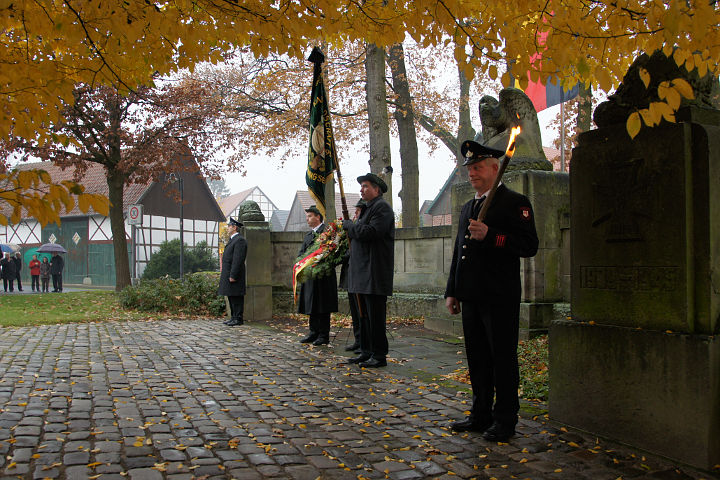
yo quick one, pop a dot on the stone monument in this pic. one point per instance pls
(639, 360)
(258, 298)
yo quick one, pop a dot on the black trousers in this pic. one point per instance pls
(35, 280)
(237, 307)
(57, 282)
(19, 282)
(319, 324)
(491, 338)
(5, 284)
(355, 314)
(45, 284)
(373, 340)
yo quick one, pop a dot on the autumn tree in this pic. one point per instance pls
(48, 48)
(31, 193)
(137, 137)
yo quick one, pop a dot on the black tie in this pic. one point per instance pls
(477, 204)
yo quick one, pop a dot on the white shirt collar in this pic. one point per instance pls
(484, 195)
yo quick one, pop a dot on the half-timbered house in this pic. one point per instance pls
(88, 238)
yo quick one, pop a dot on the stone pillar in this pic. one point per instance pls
(639, 361)
(258, 299)
(545, 277)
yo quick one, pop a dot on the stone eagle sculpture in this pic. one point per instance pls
(499, 116)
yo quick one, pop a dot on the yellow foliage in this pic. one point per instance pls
(28, 194)
(49, 47)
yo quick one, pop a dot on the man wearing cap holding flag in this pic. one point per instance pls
(485, 277)
(232, 274)
(318, 296)
(370, 269)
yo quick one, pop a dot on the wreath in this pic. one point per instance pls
(322, 256)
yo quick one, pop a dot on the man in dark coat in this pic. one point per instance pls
(352, 296)
(485, 277)
(8, 272)
(18, 267)
(56, 267)
(371, 266)
(232, 274)
(318, 297)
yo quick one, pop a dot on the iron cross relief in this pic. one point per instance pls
(622, 200)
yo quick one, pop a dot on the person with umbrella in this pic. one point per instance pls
(8, 271)
(18, 267)
(56, 267)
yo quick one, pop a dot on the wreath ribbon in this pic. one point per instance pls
(304, 263)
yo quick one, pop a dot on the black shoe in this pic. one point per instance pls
(321, 341)
(470, 425)
(310, 338)
(353, 347)
(373, 363)
(499, 433)
(359, 359)
(234, 323)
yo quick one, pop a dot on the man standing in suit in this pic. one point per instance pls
(371, 268)
(485, 277)
(232, 274)
(318, 296)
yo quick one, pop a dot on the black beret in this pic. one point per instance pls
(360, 204)
(234, 222)
(474, 152)
(313, 209)
(371, 177)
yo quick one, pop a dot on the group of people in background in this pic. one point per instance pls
(40, 272)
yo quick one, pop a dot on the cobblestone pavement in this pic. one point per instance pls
(194, 399)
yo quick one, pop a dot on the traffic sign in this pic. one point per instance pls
(135, 214)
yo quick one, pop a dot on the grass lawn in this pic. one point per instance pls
(52, 308)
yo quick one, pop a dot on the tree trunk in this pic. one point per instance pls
(409, 194)
(378, 114)
(465, 129)
(584, 117)
(116, 182)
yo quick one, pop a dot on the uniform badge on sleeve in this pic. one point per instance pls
(525, 213)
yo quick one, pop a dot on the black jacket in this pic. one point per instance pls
(488, 271)
(56, 265)
(9, 270)
(318, 295)
(372, 249)
(233, 265)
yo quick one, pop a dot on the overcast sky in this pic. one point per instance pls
(281, 183)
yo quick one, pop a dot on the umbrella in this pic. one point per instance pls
(51, 248)
(9, 247)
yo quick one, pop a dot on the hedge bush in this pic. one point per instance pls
(166, 261)
(197, 295)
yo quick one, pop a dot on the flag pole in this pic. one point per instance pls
(317, 57)
(562, 136)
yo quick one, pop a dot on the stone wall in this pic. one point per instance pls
(423, 256)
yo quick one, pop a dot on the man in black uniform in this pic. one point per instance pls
(485, 277)
(232, 274)
(318, 296)
(371, 267)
